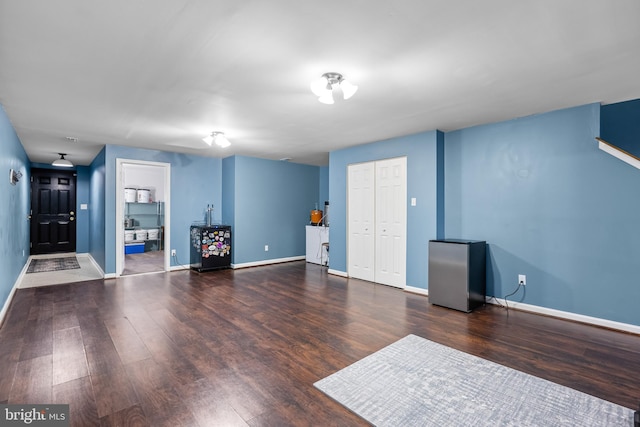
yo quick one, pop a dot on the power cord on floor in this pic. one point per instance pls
(492, 297)
(506, 303)
(175, 258)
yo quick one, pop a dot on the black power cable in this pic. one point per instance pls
(175, 258)
(506, 303)
(493, 297)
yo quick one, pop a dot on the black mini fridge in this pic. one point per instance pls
(210, 247)
(457, 273)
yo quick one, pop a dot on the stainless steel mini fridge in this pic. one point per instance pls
(457, 273)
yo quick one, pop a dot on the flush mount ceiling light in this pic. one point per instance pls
(331, 83)
(62, 162)
(218, 138)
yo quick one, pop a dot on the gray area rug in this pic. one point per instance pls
(41, 265)
(416, 382)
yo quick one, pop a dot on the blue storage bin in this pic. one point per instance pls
(133, 248)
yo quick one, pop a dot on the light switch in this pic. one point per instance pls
(83, 206)
(413, 201)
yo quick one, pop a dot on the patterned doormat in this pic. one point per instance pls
(40, 265)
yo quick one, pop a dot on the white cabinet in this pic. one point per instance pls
(317, 253)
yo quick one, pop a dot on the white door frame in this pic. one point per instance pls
(120, 210)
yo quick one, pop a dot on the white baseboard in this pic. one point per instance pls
(596, 321)
(267, 262)
(7, 303)
(21, 275)
(625, 327)
(179, 267)
(93, 262)
(415, 290)
(338, 273)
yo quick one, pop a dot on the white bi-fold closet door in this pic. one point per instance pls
(361, 221)
(377, 221)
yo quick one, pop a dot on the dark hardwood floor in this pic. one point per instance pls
(244, 347)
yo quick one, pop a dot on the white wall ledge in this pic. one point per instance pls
(618, 153)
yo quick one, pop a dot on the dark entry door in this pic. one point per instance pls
(53, 205)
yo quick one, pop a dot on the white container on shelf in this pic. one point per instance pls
(141, 234)
(129, 235)
(144, 195)
(152, 233)
(130, 195)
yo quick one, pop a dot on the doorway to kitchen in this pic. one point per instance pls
(142, 216)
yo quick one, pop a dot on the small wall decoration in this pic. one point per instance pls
(14, 176)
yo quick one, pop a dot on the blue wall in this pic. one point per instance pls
(552, 206)
(83, 195)
(324, 186)
(229, 193)
(424, 156)
(97, 210)
(195, 182)
(620, 125)
(15, 202)
(271, 204)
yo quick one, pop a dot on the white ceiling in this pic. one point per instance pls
(161, 74)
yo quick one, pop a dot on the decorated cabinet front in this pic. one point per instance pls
(210, 247)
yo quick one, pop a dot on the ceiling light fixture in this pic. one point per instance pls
(62, 162)
(331, 83)
(218, 138)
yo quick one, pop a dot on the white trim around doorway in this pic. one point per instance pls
(120, 210)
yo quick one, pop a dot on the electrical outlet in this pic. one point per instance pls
(173, 252)
(522, 279)
(266, 248)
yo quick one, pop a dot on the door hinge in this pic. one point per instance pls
(31, 245)
(31, 178)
